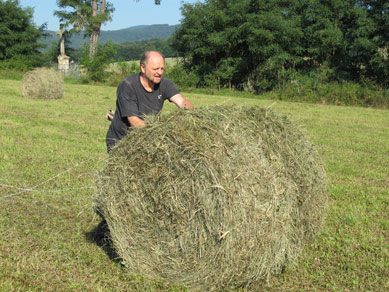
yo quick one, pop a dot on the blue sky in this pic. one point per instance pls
(127, 13)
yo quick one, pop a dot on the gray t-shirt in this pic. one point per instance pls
(134, 100)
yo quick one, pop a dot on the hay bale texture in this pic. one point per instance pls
(213, 198)
(43, 83)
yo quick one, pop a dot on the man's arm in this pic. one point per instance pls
(136, 122)
(181, 102)
(177, 99)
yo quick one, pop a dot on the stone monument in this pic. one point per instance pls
(63, 60)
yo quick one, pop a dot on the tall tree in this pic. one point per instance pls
(257, 44)
(87, 16)
(247, 43)
(19, 37)
(378, 12)
(348, 36)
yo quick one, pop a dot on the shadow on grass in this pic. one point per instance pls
(100, 235)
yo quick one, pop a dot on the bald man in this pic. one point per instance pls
(143, 94)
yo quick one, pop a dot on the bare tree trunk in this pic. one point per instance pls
(93, 41)
(96, 27)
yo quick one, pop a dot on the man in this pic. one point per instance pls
(143, 94)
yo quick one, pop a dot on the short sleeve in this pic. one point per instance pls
(127, 100)
(169, 89)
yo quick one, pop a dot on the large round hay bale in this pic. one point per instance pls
(214, 198)
(44, 83)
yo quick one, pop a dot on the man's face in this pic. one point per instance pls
(154, 68)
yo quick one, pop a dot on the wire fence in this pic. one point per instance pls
(38, 187)
(74, 70)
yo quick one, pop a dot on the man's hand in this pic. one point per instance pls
(109, 115)
(181, 102)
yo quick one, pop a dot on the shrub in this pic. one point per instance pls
(20, 63)
(11, 74)
(306, 89)
(95, 67)
(181, 77)
(120, 71)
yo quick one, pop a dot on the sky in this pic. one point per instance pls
(127, 13)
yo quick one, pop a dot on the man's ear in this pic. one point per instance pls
(142, 68)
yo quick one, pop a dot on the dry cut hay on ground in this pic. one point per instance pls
(214, 198)
(44, 83)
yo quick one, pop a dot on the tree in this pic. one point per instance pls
(260, 44)
(87, 16)
(19, 37)
(244, 43)
(347, 36)
(95, 66)
(378, 12)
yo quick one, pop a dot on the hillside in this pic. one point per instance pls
(130, 34)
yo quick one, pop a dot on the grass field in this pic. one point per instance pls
(50, 152)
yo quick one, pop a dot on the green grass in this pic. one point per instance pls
(51, 150)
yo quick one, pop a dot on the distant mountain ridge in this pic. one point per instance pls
(129, 34)
(136, 27)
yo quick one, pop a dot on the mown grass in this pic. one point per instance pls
(51, 150)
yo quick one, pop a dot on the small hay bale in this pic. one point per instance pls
(213, 198)
(44, 83)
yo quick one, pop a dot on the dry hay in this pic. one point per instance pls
(44, 83)
(214, 198)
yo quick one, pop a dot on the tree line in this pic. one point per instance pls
(129, 51)
(19, 45)
(253, 45)
(134, 50)
(257, 44)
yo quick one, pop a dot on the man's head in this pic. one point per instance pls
(152, 65)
